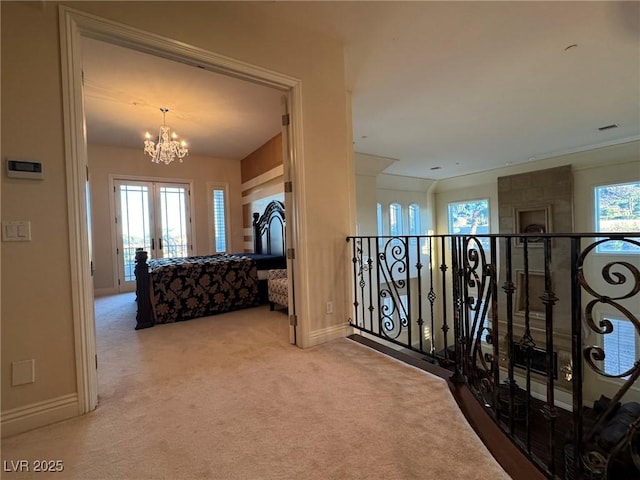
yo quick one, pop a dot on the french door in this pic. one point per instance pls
(153, 216)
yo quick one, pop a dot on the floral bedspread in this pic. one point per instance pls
(191, 287)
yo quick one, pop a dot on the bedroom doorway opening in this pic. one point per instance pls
(76, 25)
(154, 216)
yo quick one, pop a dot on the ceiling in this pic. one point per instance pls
(216, 115)
(440, 89)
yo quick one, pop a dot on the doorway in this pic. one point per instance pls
(76, 25)
(153, 216)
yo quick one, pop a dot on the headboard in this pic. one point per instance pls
(268, 230)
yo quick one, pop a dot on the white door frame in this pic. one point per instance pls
(74, 25)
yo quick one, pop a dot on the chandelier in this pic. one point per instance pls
(167, 147)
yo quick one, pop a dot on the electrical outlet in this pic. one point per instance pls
(329, 307)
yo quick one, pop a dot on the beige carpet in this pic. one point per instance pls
(227, 397)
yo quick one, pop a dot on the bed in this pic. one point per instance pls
(176, 289)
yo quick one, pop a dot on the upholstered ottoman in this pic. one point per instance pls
(278, 287)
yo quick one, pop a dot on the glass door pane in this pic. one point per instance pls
(174, 224)
(219, 221)
(135, 226)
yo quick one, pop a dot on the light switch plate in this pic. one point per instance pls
(16, 231)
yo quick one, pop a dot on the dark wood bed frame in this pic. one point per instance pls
(268, 239)
(264, 226)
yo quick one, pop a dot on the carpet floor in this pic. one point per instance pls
(227, 397)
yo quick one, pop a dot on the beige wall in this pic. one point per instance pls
(107, 162)
(262, 174)
(385, 190)
(404, 190)
(36, 281)
(366, 200)
(40, 325)
(263, 159)
(619, 163)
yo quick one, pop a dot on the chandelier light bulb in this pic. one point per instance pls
(167, 148)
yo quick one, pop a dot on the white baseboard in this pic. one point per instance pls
(22, 419)
(327, 334)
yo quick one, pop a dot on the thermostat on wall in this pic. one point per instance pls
(24, 169)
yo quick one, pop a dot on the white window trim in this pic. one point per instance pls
(471, 200)
(211, 186)
(595, 218)
(383, 218)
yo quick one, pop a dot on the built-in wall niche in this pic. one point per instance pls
(532, 220)
(533, 283)
(538, 359)
(562, 365)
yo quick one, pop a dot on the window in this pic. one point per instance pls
(470, 218)
(617, 209)
(402, 220)
(619, 347)
(218, 217)
(414, 219)
(395, 219)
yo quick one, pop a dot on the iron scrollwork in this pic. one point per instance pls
(362, 266)
(393, 264)
(478, 275)
(625, 275)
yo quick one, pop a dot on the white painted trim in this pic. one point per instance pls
(98, 28)
(264, 178)
(74, 25)
(227, 224)
(28, 417)
(297, 233)
(76, 170)
(149, 178)
(114, 236)
(569, 151)
(267, 191)
(329, 333)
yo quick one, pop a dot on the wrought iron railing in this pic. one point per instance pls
(543, 329)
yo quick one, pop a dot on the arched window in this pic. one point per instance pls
(395, 219)
(414, 219)
(379, 216)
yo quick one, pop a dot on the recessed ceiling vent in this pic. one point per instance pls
(608, 127)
